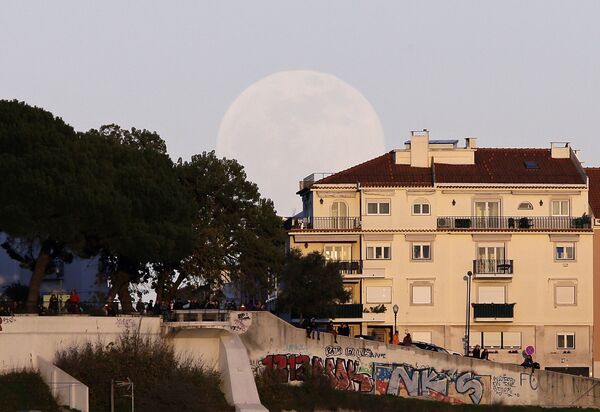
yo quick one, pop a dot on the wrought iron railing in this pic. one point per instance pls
(336, 223)
(514, 222)
(350, 267)
(493, 267)
(493, 310)
(351, 311)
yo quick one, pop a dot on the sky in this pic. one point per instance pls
(511, 73)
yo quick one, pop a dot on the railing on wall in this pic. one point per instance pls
(514, 222)
(350, 267)
(493, 310)
(348, 311)
(493, 267)
(336, 223)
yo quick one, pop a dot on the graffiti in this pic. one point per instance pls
(529, 377)
(364, 353)
(407, 381)
(239, 322)
(6, 320)
(504, 386)
(343, 374)
(333, 350)
(126, 323)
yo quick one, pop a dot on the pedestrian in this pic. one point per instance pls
(314, 328)
(407, 341)
(139, 307)
(75, 299)
(331, 329)
(396, 338)
(477, 352)
(305, 324)
(485, 354)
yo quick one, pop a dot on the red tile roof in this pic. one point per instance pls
(594, 193)
(492, 166)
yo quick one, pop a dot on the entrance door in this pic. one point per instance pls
(339, 215)
(487, 214)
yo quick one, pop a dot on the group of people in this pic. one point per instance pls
(56, 306)
(480, 354)
(406, 341)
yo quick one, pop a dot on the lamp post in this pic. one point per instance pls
(395, 309)
(467, 337)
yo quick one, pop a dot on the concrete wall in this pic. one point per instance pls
(66, 389)
(376, 368)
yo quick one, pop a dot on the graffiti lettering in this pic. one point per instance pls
(364, 353)
(333, 350)
(6, 320)
(342, 373)
(125, 323)
(504, 386)
(533, 382)
(405, 380)
(240, 322)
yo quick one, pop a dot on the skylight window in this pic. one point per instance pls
(531, 164)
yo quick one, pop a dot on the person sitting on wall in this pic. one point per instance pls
(485, 354)
(396, 338)
(407, 341)
(331, 329)
(528, 362)
(314, 328)
(75, 299)
(477, 352)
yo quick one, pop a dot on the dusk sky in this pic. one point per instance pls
(511, 73)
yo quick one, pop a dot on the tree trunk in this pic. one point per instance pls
(39, 270)
(117, 280)
(125, 298)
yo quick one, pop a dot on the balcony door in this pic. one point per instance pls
(487, 214)
(489, 257)
(339, 215)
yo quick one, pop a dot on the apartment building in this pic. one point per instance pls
(420, 227)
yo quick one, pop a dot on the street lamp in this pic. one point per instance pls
(467, 337)
(395, 309)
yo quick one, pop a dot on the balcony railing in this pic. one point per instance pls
(493, 310)
(350, 267)
(493, 267)
(335, 223)
(514, 222)
(351, 311)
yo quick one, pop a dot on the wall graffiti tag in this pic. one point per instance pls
(504, 385)
(6, 320)
(343, 374)
(125, 322)
(336, 350)
(453, 387)
(239, 322)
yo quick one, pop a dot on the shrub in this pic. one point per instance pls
(25, 390)
(162, 381)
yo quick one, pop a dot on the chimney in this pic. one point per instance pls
(419, 148)
(470, 143)
(560, 150)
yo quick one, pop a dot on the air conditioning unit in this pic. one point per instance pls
(443, 222)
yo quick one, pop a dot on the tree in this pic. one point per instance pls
(237, 235)
(310, 285)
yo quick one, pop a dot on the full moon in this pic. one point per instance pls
(294, 123)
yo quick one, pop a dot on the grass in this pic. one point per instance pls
(25, 390)
(162, 380)
(316, 394)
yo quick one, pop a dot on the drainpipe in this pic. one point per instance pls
(360, 236)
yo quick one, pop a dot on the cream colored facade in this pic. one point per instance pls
(543, 266)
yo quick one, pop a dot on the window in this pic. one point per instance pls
(354, 290)
(565, 251)
(565, 295)
(338, 252)
(378, 252)
(525, 206)
(560, 208)
(420, 336)
(379, 294)
(378, 208)
(492, 340)
(491, 294)
(499, 340)
(531, 164)
(421, 251)
(565, 340)
(421, 294)
(421, 207)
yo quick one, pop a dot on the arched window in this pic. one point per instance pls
(421, 207)
(525, 206)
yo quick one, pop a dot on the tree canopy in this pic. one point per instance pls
(310, 285)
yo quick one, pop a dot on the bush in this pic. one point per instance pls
(25, 390)
(162, 381)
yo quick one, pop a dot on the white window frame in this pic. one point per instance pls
(561, 212)
(337, 245)
(379, 202)
(565, 285)
(421, 285)
(420, 245)
(491, 286)
(373, 254)
(369, 290)
(421, 336)
(564, 336)
(419, 203)
(565, 246)
(489, 334)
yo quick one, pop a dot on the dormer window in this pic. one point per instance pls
(531, 165)
(525, 206)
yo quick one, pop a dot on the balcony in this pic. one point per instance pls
(494, 312)
(327, 223)
(348, 311)
(514, 223)
(492, 268)
(350, 267)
